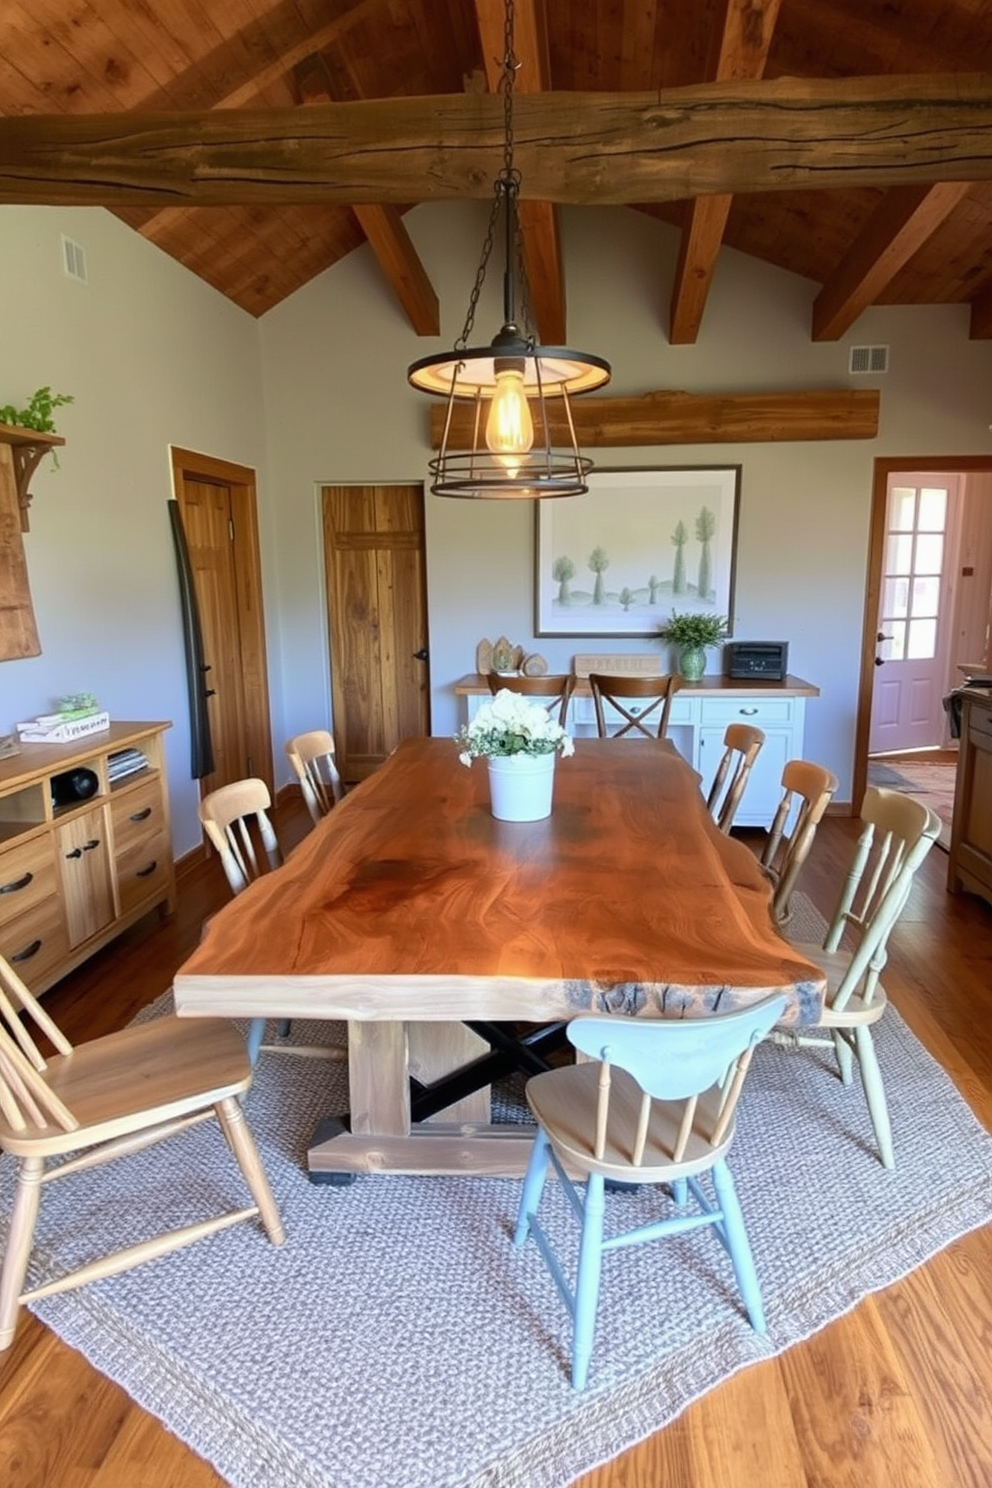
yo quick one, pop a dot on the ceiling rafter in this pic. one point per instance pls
(585, 148)
(743, 52)
(540, 228)
(901, 223)
(383, 226)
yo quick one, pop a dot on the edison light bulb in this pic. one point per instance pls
(509, 427)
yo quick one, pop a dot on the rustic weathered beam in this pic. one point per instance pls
(696, 418)
(742, 53)
(901, 224)
(539, 227)
(383, 226)
(586, 148)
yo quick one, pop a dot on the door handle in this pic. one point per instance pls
(879, 660)
(422, 654)
(881, 636)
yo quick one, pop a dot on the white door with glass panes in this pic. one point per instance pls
(911, 641)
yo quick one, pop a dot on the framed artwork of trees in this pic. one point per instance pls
(638, 545)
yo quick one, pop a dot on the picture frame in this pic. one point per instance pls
(655, 536)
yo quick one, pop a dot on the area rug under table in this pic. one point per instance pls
(397, 1339)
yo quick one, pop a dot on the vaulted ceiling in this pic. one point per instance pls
(846, 140)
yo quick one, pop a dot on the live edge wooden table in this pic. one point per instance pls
(411, 912)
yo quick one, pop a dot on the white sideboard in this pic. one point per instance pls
(700, 714)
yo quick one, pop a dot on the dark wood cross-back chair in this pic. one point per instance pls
(624, 696)
(554, 692)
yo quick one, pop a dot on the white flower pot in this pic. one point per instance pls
(521, 786)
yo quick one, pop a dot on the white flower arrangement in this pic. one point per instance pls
(510, 724)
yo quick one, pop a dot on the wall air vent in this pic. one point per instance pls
(869, 359)
(73, 259)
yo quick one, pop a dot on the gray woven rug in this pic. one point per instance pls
(398, 1341)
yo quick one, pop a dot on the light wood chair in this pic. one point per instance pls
(741, 747)
(898, 833)
(618, 694)
(657, 1107)
(236, 820)
(554, 692)
(806, 792)
(313, 760)
(105, 1099)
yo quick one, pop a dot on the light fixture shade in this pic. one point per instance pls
(464, 374)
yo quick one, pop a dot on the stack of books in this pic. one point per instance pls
(125, 762)
(63, 727)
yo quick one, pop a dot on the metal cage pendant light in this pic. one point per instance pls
(514, 384)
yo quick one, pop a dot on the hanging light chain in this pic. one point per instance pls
(506, 189)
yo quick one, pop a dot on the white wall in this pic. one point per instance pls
(152, 357)
(316, 392)
(339, 409)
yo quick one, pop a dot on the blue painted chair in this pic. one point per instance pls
(656, 1106)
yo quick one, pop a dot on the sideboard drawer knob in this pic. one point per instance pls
(747, 712)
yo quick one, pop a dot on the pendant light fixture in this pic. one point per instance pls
(514, 384)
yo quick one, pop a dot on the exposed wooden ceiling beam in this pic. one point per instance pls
(743, 52)
(586, 148)
(539, 225)
(383, 226)
(903, 221)
(693, 418)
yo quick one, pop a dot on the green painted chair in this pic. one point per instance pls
(898, 833)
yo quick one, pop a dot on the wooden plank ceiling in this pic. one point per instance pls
(904, 216)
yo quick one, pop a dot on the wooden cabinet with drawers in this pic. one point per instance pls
(699, 717)
(75, 872)
(970, 859)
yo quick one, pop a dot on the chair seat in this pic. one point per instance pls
(564, 1102)
(834, 965)
(159, 1069)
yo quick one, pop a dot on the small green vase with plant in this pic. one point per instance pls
(692, 634)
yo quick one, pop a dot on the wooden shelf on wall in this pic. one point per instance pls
(695, 418)
(20, 452)
(28, 447)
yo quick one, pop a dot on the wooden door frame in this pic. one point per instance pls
(248, 579)
(886, 465)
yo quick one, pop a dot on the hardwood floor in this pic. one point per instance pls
(899, 1391)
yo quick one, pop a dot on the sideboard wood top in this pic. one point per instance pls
(475, 682)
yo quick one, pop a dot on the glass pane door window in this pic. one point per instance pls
(912, 569)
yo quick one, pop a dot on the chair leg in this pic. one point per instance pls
(530, 1198)
(738, 1245)
(680, 1192)
(253, 1039)
(242, 1143)
(871, 1079)
(845, 1057)
(587, 1279)
(23, 1217)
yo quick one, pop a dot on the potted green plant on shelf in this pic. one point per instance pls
(38, 413)
(692, 634)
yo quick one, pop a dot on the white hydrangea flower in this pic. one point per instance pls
(510, 724)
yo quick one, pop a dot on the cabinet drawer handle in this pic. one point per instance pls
(89, 846)
(28, 952)
(747, 712)
(144, 872)
(137, 816)
(77, 852)
(17, 883)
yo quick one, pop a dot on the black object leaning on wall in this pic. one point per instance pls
(201, 745)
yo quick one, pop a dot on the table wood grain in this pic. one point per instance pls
(410, 908)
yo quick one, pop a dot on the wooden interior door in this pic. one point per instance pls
(377, 620)
(217, 502)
